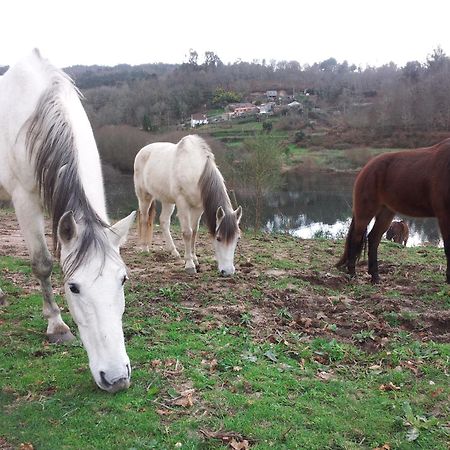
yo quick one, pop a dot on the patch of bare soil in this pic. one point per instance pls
(311, 302)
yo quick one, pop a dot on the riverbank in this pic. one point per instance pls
(288, 353)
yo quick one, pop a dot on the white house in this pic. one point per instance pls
(272, 95)
(198, 119)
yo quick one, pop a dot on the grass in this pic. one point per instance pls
(262, 358)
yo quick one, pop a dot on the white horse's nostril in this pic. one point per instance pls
(115, 385)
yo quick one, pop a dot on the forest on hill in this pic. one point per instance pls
(413, 97)
(363, 104)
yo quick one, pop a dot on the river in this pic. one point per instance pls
(310, 205)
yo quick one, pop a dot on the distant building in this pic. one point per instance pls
(242, 109)
(266, 108)
(272, 96)
(198, 119)
(295, 104)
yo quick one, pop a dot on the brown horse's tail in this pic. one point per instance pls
(344, 259)
(145, 225)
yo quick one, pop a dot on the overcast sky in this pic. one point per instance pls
(109, 32)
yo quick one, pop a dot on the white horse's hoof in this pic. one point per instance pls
(59, 337)
(190, 270)
(175, 254)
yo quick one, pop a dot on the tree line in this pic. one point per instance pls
(156, 96)
(153, 96)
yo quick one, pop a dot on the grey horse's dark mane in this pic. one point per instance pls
(214, 194)
(51, 147)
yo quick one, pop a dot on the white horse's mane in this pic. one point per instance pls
(51, 147)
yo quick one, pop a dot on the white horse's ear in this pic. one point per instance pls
(220, 214)
(238, 213)
(119, 231)
(67, 228)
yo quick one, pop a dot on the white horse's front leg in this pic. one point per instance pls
(186, 228)
(31, 222)
(164, 221)
(196, 214)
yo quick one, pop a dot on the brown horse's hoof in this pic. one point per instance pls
(60, 338)
(375, 279)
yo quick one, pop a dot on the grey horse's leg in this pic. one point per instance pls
(31, 221)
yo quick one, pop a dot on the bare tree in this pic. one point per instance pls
(261, 170)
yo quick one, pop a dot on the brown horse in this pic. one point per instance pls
(398, 232)
(414, 183)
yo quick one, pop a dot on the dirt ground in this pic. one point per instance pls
(310, 302)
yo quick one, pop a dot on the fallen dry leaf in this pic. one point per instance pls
(242, 445)
(306, 323)
(411, 366)
(383, 447)
(212, 365)
(185, 399)
(235, 440)
(26, 446)
(389, 387)
(326, 376)
(164, 412)
(437, 392)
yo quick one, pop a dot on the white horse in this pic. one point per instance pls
(49, 162)
(186, 175)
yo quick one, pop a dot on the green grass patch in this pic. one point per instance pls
(262, 357)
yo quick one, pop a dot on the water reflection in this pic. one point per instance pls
(308, 206)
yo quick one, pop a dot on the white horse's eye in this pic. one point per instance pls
(219, 239)
(74, 288)
(125, 278)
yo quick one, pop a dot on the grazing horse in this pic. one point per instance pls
(50, 163)
(185, 175)
(414, 183)
(398, 232)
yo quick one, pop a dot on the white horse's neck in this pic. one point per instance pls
(88, 161)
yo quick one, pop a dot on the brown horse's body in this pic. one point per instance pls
(398, 232)
(414, 183)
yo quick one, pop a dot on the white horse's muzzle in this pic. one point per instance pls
(111, 383)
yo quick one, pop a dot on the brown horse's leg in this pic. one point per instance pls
(355, 243)
(382, 222)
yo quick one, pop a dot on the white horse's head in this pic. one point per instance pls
(226, 238)
(95, 294)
